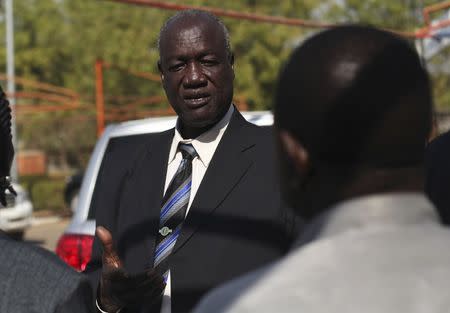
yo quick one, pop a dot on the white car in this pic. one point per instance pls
(74, 246)
(16, 216)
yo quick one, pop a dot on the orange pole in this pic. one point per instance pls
(42, 86)
(99, 97)
(43, 96)
(47, 108)
(145, 75)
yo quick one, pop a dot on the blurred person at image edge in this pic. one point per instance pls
(31, 278)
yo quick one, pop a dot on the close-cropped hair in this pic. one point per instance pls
(196, 13)
(356, 95)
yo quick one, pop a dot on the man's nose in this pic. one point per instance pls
(194, 76)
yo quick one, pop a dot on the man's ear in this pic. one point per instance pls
(160, 70)
(296, 152)
(231, 60)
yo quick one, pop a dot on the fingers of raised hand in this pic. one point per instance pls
(110, 257)
(120, 288)
(144, 287)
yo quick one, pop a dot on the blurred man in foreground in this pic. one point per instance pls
(32, 279)
(352, 112)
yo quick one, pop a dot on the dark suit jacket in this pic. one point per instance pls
(33, 280)
(234, 225)
(437, 183)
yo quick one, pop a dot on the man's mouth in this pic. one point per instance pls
(196, 100)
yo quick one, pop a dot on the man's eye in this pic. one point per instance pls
(176, 67)
(208, 62)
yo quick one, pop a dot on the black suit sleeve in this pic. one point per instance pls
(105, 202)
(119, 157)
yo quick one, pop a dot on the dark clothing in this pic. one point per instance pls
(234, 225)
(437, 183)
(37, 281)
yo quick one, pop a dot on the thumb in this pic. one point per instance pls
(110, 257)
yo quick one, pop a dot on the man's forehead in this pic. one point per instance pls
(190, 38)
(191, 26)
(189, 35)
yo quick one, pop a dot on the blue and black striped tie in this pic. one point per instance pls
(173, 211)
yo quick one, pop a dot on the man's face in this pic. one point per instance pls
(196, 71)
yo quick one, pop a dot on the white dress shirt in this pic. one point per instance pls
(378, 253)
(205, 145)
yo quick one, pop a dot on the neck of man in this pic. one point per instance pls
(337, 185)
(193, 132)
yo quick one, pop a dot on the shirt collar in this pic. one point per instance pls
(379, 210)
(206, 143)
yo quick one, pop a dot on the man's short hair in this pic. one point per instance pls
(197, 13)
(356, 95)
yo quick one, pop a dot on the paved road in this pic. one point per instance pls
(45, 232)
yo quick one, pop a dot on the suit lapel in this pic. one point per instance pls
(147, 183)
(229, 164)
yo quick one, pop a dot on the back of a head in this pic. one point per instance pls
(355, 95)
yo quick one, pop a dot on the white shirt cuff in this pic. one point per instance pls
(103, 311)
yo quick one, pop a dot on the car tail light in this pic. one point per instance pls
(75, 250)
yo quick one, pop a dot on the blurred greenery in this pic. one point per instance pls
(58, 41)
(45, 192)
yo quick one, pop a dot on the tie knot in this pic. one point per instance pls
(187, 150)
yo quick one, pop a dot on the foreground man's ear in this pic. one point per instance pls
(296, 152)
(160, 70)
(231, 58)
(232, 63)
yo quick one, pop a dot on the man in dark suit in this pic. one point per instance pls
(231, 218)
(32, 279)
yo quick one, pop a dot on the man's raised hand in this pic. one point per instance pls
(118, 289)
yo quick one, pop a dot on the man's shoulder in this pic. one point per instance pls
(392, 264)
(373, 243)
(266, 130)
(142, 138)
(239, 120)
(400, 255)
(28, 257)
(261, 135)
(244, 133)
(221, 298)
(134, 147)
(30, 272)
